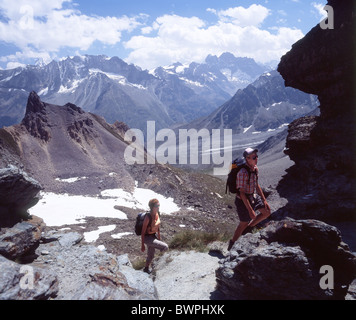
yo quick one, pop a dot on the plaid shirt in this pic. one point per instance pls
(242, 181)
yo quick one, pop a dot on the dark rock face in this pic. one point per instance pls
(322, 184)
(18, 194)
(19, 240)
(284, 260)
(36, 120)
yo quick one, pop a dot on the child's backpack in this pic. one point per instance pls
(236, 166)
(139, 222)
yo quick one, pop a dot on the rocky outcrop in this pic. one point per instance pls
(86, 273)
(65, 269)
(18, 194)
(36, 119)
(186, 276)
(284, 260)
(20, 282)
(322, 183)
(20, 240)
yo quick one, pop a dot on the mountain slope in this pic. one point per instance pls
(56, 143)
(63, 142)
(264, 105)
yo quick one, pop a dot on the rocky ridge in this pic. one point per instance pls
(265, 104)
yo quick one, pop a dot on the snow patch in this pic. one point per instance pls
(283, 125)
(75, 84)
(92, 236)
(139, 199)
(246, 129)
(193, 83)
(121, 235)
(64, 209)
(43, 92)
(71, 180)
(119, 78)
(180, 69)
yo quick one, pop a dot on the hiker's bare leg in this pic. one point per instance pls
(264, 214)
(240, 228)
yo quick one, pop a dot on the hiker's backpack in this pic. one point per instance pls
(139, 222)
(236, 166)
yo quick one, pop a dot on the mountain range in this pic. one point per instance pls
(118, 91)
(264, 105)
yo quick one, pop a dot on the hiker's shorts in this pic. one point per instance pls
(152, 244)
(256, 204)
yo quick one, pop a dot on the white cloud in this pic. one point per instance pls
(252, 16)
(46, 27)
(26, 53)
(237, 30)
(320, 10)
(14, 65)
(15, 10)
(146, 30)
(41, 28)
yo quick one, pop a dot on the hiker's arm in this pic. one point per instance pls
(260, 192)
(247, 204)
(159, 233)
(144, 228)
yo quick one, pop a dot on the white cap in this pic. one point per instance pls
(249, 151)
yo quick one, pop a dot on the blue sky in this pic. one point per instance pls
(152, 33)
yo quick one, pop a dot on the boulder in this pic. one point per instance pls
(86, 273)
(18, 194)
(136, 279)
(64, 269)
(23, 282)
(284, 261)
(19, 240)
(186, 276)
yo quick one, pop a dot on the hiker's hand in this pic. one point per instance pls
(268, 208)
(143, 248)
(253, 215)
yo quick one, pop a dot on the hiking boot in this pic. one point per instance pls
(231, 243)
(147, 270)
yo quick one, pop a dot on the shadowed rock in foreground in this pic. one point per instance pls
(283, 261)
(18, 193)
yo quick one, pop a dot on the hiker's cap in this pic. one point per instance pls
(249, 151)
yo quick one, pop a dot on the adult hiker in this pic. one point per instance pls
(249, 197)
(151, 235)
